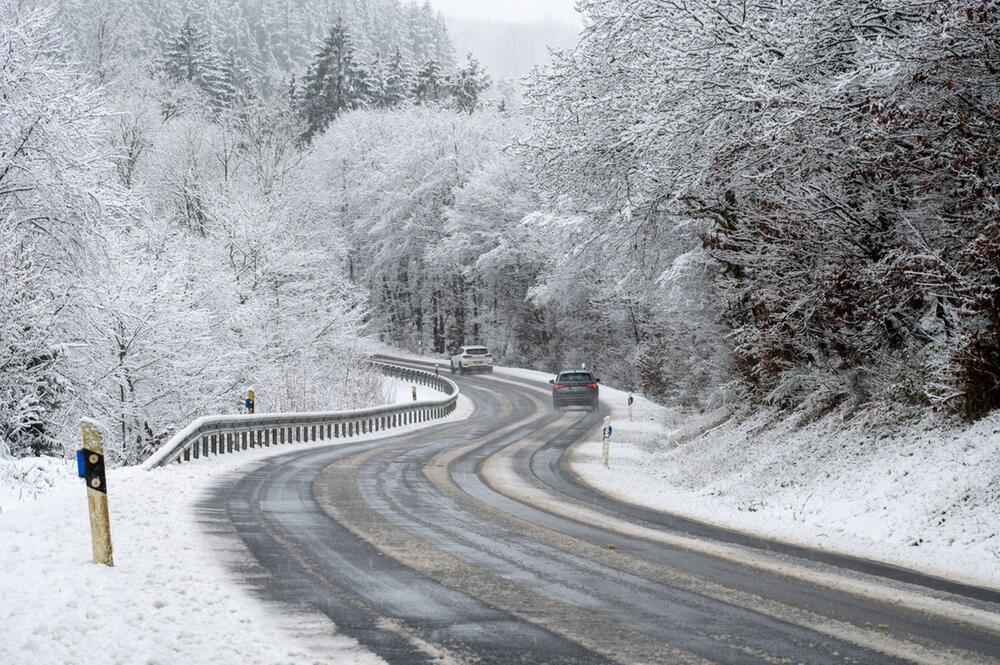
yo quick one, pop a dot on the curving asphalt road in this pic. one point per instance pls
(471, 542)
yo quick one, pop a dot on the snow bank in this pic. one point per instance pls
(397, 391)
(170, 598)
(917, 493)
(29, 478)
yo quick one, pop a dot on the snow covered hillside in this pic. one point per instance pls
(916, 492)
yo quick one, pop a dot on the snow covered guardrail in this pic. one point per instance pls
(220, 435)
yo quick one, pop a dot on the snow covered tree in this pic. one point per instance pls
(31, 374)
(55, 195)
(468, 85)
(429, 86)
(399, 82)
(334, 83)
(235, 81)
(378, 83)
(833, 158)
(190, 57)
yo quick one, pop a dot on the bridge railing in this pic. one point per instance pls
(220, 435)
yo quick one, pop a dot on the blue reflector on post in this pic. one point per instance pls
(79, 464)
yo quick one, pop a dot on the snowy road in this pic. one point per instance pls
(468, 542)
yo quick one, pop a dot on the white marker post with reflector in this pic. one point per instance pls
(607, 432)
(90, 465)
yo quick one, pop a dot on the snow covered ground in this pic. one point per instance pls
(917, 493)
(169, 598)
(398, 392)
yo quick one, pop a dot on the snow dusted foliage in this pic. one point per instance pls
(844, 154)
(229, 279)
(687, 361)
(492, 240)
(54, 193)
(455, 244)
(392, 177)
(228, 47)
(159, 258)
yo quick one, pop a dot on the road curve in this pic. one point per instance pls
(470, 542)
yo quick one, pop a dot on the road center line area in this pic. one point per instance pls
(460, 543)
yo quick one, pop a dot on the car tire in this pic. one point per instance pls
(461, 369)
(451, 366)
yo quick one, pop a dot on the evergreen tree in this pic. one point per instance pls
(190, 57)
(429, 83)
(378, 83)
(420, 30)
(293, 90)
(468, 84)
(362, 87)
(333, 84)
(235, 83)
(400, 82)
(444, 49)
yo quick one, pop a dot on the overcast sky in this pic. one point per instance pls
(510, 10)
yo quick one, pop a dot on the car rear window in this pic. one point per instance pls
(576, 377)
(478, 352)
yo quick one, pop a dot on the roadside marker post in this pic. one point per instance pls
(90, 465)
(414, 391)
(631, 401)
(250, 403)
(605, 451)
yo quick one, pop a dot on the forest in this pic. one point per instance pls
(789, 205)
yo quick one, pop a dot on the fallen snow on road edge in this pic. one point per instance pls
(921, 494)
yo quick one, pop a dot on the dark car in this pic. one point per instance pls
(577, 388)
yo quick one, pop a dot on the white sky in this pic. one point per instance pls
(510, 10)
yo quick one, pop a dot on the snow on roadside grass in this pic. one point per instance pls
(920, 494)
(31, 477)
(169, 599)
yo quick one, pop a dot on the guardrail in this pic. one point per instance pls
(221, 435)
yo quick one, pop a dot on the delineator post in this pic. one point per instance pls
(91, 466)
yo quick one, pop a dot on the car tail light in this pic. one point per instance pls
(592, 385)
(466, 357)
(560, 386)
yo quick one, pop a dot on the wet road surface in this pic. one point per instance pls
(471, 542)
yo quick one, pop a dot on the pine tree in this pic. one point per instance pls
(333, 84)
(468, 84)
(420, 29)
(235, 82)
(378, 83)
(429, 83)
(444, 49)
(400, 82)
(190, 57)
(293, 92)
